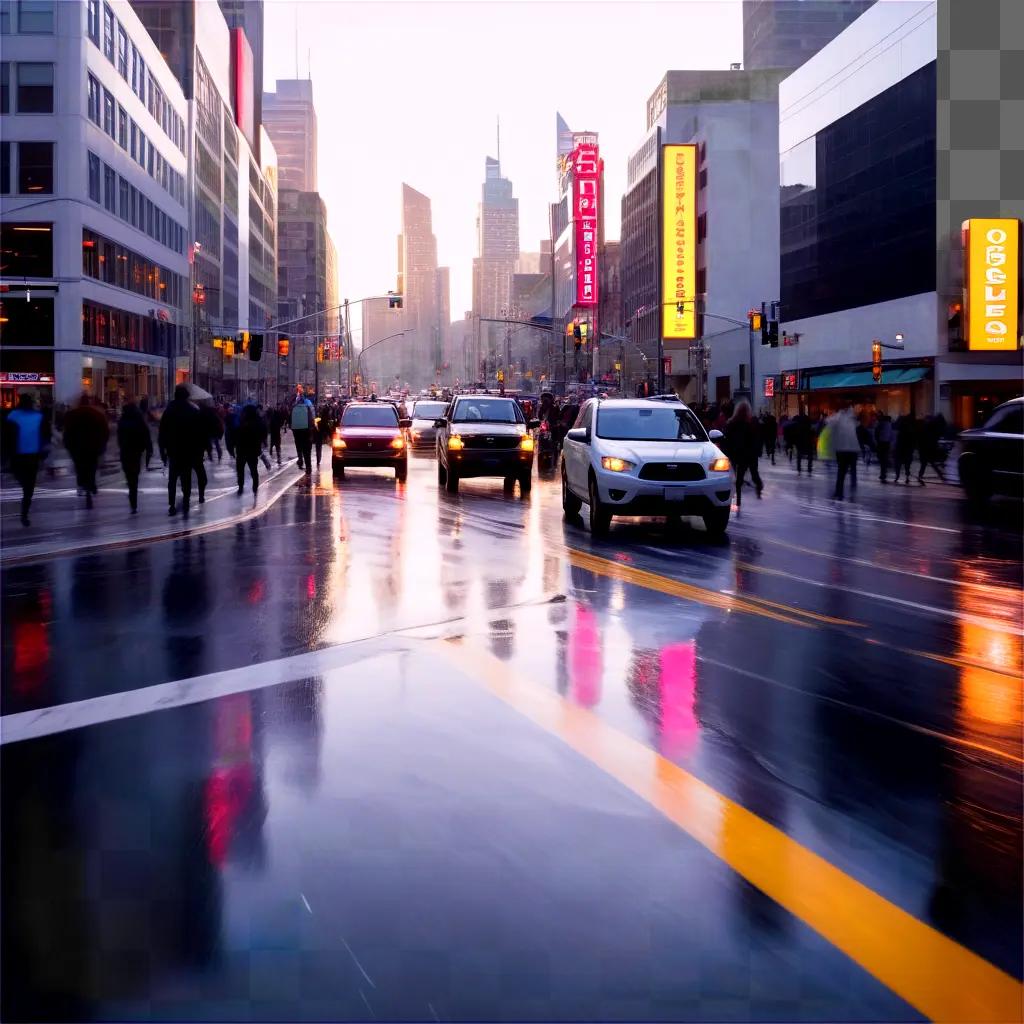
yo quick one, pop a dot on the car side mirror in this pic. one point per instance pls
(581, 434)
(715, 435)
(440, 424)
(405, 423)
(533, 424)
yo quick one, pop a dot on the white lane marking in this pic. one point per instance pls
(26, 725)
(853, 513)
(306, 903)
(355, 960)
(362, 995)
(950, 613)
(433, 1012)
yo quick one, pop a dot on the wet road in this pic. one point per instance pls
(385, 753)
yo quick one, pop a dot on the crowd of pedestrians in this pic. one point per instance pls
(188, 434)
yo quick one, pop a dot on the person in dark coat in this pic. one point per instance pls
(930, 434)
(85, 437)
(182, 443)
(249, 438)
(322, 431)
(804, 440)
(903, 447)
(213, 428)
(134, 441)
(769, 435)
(742, 444)
(275, 421)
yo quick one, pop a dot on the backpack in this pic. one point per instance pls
(300, 416)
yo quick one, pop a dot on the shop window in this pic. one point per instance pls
(35, 17)
(35, 88)
(35, 167)
(27, 250)
(5, 168)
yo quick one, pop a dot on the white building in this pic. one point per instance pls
(95, 222)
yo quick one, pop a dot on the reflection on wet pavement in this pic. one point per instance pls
(385, 839)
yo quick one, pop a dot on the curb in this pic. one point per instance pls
(42, 554)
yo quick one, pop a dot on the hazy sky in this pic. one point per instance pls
(411, 92)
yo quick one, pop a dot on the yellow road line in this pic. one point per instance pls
(689, 592)
(937, 976)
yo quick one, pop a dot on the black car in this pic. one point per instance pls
(370, 434)
(484, 435)
(992, 456)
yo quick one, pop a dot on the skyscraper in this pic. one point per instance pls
(418, 276)
(248, 16)
(786, 33)
(290, 119)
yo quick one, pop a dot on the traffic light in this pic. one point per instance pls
(243, 341)
(577, 334)
(876, 361)
(282, 344)
(755, 319)
(256, 347)
(394, 301)
(229, 348)
(320, 353)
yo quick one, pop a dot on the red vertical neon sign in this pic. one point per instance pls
(585, 205)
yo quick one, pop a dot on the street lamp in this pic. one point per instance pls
(380, 341)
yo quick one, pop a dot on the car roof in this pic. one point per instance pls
(371, 405)
(484, 394)
(639, 403)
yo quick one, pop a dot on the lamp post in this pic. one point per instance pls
(380, 341)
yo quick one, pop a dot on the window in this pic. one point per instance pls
(5, 17)
(142, 149)
(109, 189)
(122, 127)
(92, 20)
(5, 87)
(108, 33)
(35, 17)
(133, 151)
(35, 167)
(35, 88)
(150, 160)
(28, 249)
(94, 100)
(135, 69)
(94, 177)
(108, 113)
(122, 53)
(90, 253)
(124, 198)
(141, 90)
(5, 168)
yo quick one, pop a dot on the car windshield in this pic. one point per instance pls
(486, 410)
(428, 410)
(668, 423)
(368, 416)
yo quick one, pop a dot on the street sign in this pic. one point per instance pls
(769, 387)
(790, 380)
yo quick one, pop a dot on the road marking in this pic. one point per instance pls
(846, 508)
(937, 976)
(355, 960)
(712, 598)
(305, 903)
(110, 707)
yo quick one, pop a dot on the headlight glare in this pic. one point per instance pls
(615, 464)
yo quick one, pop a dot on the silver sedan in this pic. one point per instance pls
(423, 413)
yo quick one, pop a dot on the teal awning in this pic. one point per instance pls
(863, 378)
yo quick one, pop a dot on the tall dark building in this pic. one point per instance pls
(786, 33)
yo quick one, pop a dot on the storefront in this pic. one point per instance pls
(114, 382)
(14, 384)
(819, 391)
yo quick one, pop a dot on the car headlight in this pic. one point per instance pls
(720, 465)
(337, 443)
(455, 443)
(526, 444)
(615, 464)
(398, 441)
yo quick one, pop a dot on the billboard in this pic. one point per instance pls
(585, 200)
(679, 241)
(992, 283)
(242, 87)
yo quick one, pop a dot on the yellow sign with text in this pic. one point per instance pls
(992, 283)
(679, 241)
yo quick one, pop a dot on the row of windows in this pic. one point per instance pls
(27, 249)
(118, 196)
(117, 328)
(109, 115)
(32, 88)
(116, 48)
(29, 17)
(27, 164)
(111, 263)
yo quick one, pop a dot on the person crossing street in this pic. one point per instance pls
(28, 444)
(302, 418)
(182, 443)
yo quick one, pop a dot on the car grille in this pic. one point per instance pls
(491, 442)
(672, 471)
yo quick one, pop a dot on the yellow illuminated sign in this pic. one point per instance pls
(992, 283)
(679, 241)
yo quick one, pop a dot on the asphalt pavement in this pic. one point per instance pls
(383, 753)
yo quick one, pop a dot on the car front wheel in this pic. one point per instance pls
(401, 471)
(452, 481)
(571, 505)
(600, 514)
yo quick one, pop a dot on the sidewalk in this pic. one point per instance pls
(61, 524)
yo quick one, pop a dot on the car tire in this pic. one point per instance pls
(339, 472)
(716, 522)
(973, 479)
(571, 505)
(452, 482)
(526, 482)
(401, 472)
(442, 473)
(600, 514)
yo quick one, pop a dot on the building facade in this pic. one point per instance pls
(787, 33)
(413, 358)
(93, 206)
(290, 119)
(859, 179)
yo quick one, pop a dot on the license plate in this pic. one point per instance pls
(675, 494)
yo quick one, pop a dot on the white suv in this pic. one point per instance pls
(644, 457)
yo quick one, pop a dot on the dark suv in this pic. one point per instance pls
(992, 456)
(370, 434)
(484, 435)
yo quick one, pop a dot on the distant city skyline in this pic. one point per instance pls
(411, 92)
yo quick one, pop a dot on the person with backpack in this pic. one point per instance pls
(302, 419)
